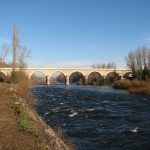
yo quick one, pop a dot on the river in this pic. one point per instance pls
(96, 118)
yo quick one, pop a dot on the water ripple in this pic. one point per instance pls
(96, 118)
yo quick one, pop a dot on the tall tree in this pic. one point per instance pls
(15, 45)
(130, 61)
(139, 62)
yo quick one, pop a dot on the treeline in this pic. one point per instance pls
(139, 62)
(110, 65)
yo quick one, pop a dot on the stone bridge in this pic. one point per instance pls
(48, 72)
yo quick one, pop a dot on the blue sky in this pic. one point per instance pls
(76, 33)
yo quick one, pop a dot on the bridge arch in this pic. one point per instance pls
(38, 77)
(76, 77)
(95, 78)
(3, 76)
(57, 77)
(3, 72)
(111, 77)
(128, 75)
(35, 72)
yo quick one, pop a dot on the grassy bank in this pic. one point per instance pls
(134, 86)
(21, 128)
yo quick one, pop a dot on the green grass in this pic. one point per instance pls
(25, 121)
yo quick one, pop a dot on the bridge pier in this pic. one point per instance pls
(85, 80)
(67, 80)
(47, 80)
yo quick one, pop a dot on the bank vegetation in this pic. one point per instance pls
(138, 62)
(133, 86)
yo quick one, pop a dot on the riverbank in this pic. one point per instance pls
(21, 128)
(133, 86)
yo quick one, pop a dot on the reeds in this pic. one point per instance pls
(134, 86)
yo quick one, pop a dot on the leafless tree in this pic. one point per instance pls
(15, 45)
(148, 60)
(93, 66)
(139, 62)
(144, 52)
(110, 65)
(4, 53)
(130, 61)
(22, 56)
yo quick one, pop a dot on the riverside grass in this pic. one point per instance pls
(18, 130)
(134, 86)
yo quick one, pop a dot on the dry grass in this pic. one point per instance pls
(24, 91)
(122, 84)
(15, 124)
(140, 87)
(134, 86)
(24, 86)
(22, 129)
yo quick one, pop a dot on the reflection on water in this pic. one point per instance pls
(96, 118)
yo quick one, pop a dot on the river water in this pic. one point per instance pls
(96, 118)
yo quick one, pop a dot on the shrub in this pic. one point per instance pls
(24, 86)
(139, 90)
(138, 83)
(13, 77)
(134, 86)
(122, 84)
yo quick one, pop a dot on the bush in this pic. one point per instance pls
(134, 86)
(122, 84)
(13, 77)
(138, 83)
(24, 86)
(140, 90)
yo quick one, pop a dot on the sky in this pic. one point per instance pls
(76, 33)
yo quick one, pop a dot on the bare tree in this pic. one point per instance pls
(139, 62)
(144, 52)
(130, 61)
(22, 56)
(110, 65)
(148, 60)
(93, 66)
(15, 45)
(4, 53)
